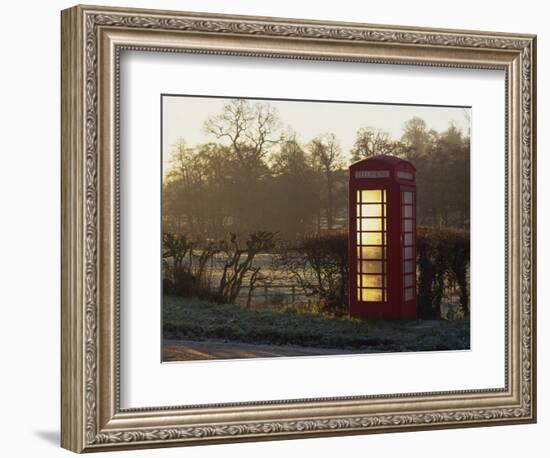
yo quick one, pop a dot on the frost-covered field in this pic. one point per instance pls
(196, 320)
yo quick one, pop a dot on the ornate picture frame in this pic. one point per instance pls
(92, 41)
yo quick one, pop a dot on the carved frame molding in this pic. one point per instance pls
(92, 39)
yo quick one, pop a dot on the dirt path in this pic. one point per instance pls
(191, 350)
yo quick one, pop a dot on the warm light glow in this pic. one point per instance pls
(371, 240)
(371, 295)
(371, 210)
(370, 252)
(371, 195)
(371, 281)
(370, 267)
(370, 224)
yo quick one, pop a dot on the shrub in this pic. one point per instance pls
(184, 283)
(167, 287)
(458, 264)
(319, 264)
(187, 265)
(443, 256)
(277, 299)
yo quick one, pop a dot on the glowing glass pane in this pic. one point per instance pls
(407, 197)
(408, 266)
(372, 210)
(371, 224)
(371, 295)
(408, 239)
(371, 230)
(371, 238)
(407, 252)
(408, 225)
(407, 211)
(409, 280)
(409, 294)
(371, 195)
(370, 267)
(371, 280)
(371, 252)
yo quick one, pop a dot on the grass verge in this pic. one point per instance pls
(195, 319)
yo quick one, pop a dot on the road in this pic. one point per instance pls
(191, 350)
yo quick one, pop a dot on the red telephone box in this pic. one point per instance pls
(382, 238)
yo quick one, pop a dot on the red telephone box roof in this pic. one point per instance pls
(382, 168)
(383, 160)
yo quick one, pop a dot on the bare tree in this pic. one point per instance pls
(239, 262)
(256, 277)
(177, 278)
(327, 158)
(290, 159)
(295, 188)
(185, 177)
(417, 139)
(250, 129)
(203, 257)
(370, 142)
(178, 162)
(176, 247)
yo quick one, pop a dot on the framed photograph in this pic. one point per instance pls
(277, 228)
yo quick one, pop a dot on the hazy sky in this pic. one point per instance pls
(184, 117)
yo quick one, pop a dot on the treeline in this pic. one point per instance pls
(253, 176)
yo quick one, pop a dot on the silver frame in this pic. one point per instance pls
(92, 40)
